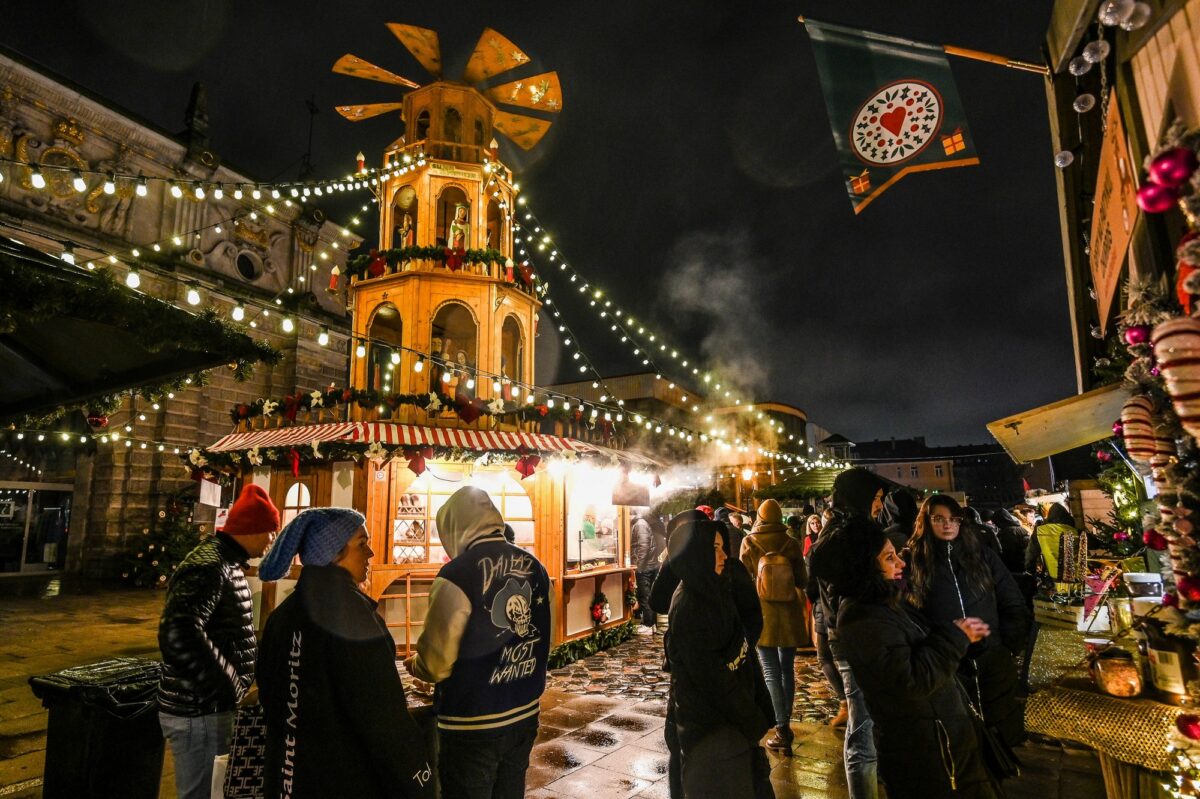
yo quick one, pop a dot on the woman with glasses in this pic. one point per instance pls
(953, 575)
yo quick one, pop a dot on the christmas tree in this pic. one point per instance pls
(156, 553)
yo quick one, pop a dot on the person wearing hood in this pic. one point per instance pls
(953, 574)
(485, 643)
(1043, 550)
(899, 516)
(718, 708)
(906, 667)
(644, 552)
(336, 714)
(745, 595)
(733, 523)
(206, 635)
(857, 497)
(777, 562)
(1013, 540)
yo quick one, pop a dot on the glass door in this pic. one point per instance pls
(34, 521)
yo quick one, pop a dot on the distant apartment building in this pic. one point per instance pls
(982, 473)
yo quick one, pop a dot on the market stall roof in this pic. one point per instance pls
(410, 435)
(1060, 426)
(69, 336)
(806, 484)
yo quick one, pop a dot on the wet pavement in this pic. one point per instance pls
(602, 717)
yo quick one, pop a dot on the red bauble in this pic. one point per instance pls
(1170, 600)
(1155, 540)
(97, 420)
(1155, 198)
(1173, 167)
(1137, 334)
(1118, 428)
(1104, 456)
(1189, 725)
(1188, 588)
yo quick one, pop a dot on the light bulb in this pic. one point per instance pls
(445, 377)
(1084, 103)
(239, 312)
(1096, 51)
(218, 192)
(77, 181)
(419, 366)
(1064, 158)
(515, 392)
(529, 399)
(176, 192)
(110, 184)
(193, 296)
(142, 189)
(198, 191)
(68, 254)
(395, 357)
(470, 382)
(360, 351)
(133, 279)
(37, 178)
(288, 325)
(550, 402)
(237, 192)
(256, 193)
(323, 337)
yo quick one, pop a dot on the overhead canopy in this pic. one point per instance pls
(1060, 426)
(69, 336)
(411, 435)
(805, 485)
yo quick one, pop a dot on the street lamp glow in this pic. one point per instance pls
(747, 474)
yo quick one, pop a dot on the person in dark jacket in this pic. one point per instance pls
(745, 596)
(337, 718)
(953, 575)
(906, 666)
(1013, 540)
(899, 516)
(206, 635)
(645, 549)
(733, 524)
(857, 495)
(719, 706)
(485, 644)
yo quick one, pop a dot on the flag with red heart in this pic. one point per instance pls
(893, 106)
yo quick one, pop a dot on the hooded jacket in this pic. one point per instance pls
(745, 596)
(899, 517)
(715, 681)
(486, 636)
(1044, 544)
(645, 547)
(783, 622)
(337, 718)
(1013, 540)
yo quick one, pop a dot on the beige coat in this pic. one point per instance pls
(783, 622)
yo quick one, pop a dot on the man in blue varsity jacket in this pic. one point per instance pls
(485, 643)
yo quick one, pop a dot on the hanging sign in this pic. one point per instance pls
(1115, 212)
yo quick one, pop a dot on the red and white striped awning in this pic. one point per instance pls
(411, 435)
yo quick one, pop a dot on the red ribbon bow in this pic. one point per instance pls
(468, 409)
(527, 463)
(416, 458)
(378, 264)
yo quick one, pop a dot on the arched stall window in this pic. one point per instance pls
(495, 227)
(454, 347)
(512, 357)
(449, 215)
(385, 340)
(422, 126)
(404, 217)
(452, 131)
(297, 498)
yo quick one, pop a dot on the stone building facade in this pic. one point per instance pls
(276, 249)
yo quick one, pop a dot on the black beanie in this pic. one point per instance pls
(854, 490)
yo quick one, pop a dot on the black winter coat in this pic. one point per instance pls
(337, 719)
(206, 632)
(1013, 541)
(1003, 608)
(741, 587)
(906, 668)
(715, 678)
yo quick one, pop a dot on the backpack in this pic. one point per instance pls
(776, 582)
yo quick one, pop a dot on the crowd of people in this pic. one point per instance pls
(919, 617)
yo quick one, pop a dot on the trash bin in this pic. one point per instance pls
(103, 738)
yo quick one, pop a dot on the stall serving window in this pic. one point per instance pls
(415, 538)
(594, 523)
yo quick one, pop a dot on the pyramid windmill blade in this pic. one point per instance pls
(525, 131)
(494, 54)
(422, 43)
(356, 113)
(356, 67)
(541, 93)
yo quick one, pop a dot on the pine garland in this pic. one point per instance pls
(358, 265)
(567, 653)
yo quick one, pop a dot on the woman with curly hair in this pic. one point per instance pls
(952, 574)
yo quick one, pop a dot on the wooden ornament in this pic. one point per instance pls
(1136, 417)
(1177, 350)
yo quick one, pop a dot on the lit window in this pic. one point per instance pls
(297, 499)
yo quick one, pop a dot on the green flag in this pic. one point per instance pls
(893, 107)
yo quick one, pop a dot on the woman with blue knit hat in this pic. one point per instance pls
(336, 714)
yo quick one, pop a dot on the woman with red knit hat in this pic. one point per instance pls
(206, 635)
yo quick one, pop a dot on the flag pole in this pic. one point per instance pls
(991, 58)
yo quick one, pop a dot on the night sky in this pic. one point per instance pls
(692, 174)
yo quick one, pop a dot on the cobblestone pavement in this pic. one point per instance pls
(601, 722)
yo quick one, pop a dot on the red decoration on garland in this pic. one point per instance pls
(1155, 540)
(295, 457)
(1118, 428)
(1137, 334)
(1188, 587)
(1154, 198)
(97, 420)
(1174, 167)
(290, 406)
(243, 411)
(378, 264)
(1189, 725)
(416, 458)
(527, 465)
(468, 409)
(543, 410)
(454, 258)
(601, 611)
